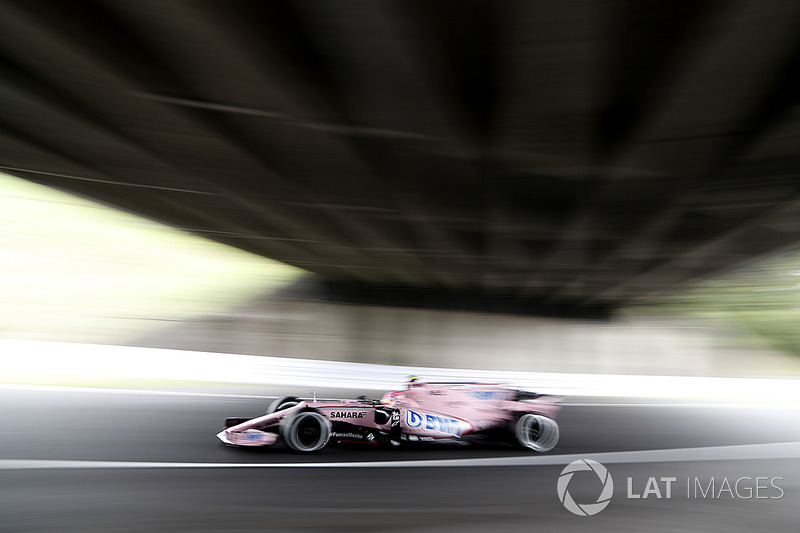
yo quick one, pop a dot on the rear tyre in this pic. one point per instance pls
(282, 403)
(306, 432)
(536, 432)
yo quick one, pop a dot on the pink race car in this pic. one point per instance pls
(423, 412)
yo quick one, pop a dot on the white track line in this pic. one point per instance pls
(778, 450)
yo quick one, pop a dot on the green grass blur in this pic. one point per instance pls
(75, 270)
(762, 301)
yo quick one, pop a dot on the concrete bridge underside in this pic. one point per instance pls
(580, 155)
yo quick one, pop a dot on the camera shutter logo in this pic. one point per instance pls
(587, 509)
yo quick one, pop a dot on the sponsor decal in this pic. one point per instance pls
(338, 435)
(490, 394)
(413, 419)
(347, 414)
(436, 423)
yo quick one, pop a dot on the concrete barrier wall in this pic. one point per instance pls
(413, 337)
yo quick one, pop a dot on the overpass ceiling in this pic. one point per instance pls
(575, 153)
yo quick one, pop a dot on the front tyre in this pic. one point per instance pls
(280, 404)
(536, 432)
(306, 432)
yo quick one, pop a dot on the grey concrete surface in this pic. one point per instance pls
(124, 427)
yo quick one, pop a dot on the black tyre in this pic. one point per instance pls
(536, 432)
(306, 432)
(282, 403)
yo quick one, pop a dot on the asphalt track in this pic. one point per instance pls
(97, 461)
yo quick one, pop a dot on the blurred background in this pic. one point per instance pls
(78, 271)
(204, 205)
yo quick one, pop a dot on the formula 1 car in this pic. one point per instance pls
(423, 412)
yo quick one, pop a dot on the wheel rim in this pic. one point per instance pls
(307, 432)
(537, 432)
